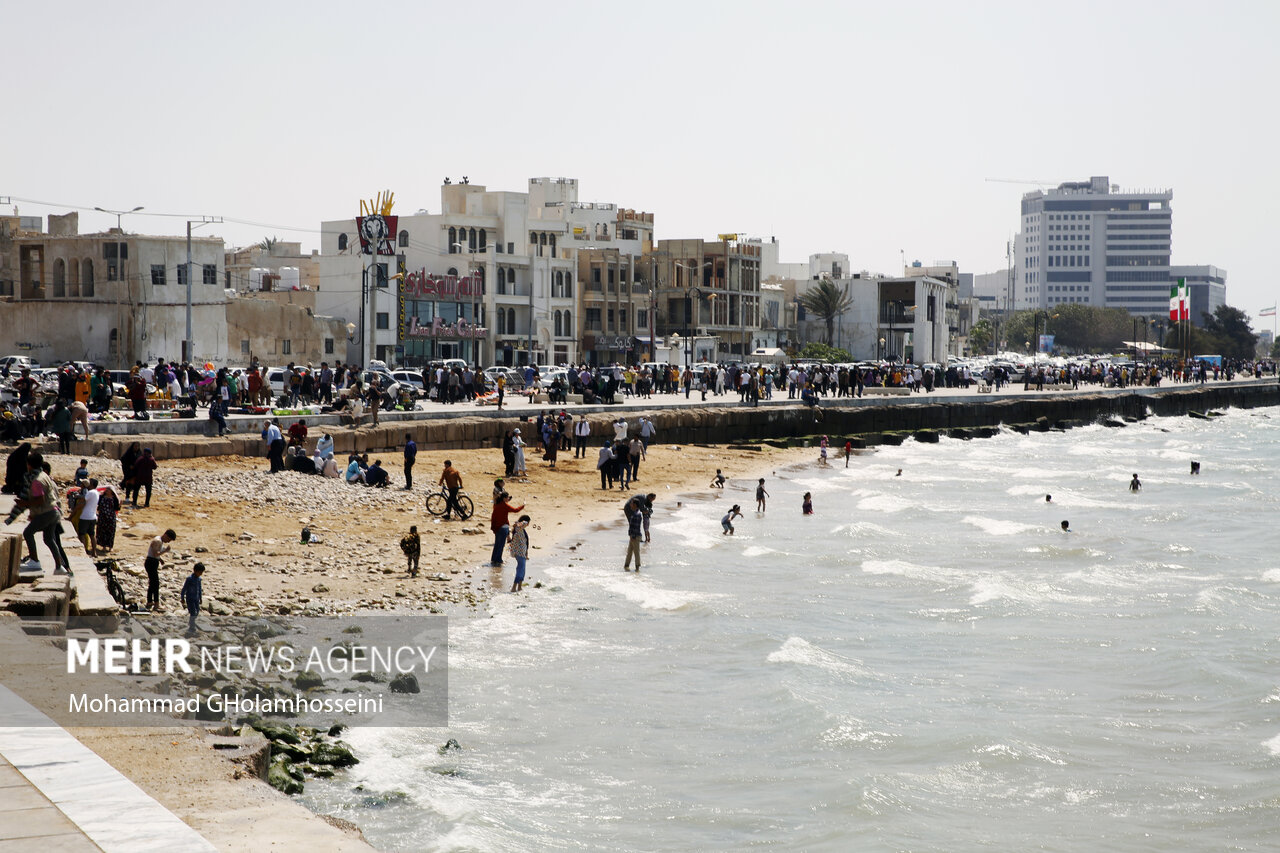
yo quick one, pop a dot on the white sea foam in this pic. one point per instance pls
(641, 590)
(999, 526)
(936, 574)
(885, 503)
(800, 651)
(1273, 745)
(1271, 575)
(758, 551)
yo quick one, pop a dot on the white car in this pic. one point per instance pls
(412, 378)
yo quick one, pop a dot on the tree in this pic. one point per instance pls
(980, 336)
(827, 301)
(813, 349)
(266, 244)
(1229, 328)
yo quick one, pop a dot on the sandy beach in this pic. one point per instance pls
(244, 524)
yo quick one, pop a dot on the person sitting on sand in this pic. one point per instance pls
(355, 474)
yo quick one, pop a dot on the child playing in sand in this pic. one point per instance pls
(717, 482)
(411, 545)
(727, 521)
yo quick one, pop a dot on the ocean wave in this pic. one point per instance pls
(883, 503)
(1273, 745)
(800, 651)
(936, 574)
(998, 526)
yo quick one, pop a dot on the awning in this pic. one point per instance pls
(1143, 346)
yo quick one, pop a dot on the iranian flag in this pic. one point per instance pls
(1178, 308)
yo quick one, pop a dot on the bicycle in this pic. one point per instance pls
(438, 504)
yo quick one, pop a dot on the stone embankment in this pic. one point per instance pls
(727, 423)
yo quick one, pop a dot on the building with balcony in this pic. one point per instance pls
(491, 279)
(709, 288)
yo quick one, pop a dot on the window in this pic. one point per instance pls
(568, 324)
(484, 240)
(511, 321)
(642, 316)
(182, 274)
(382, 275)
(383, 320)
(511, 248)
(342, 242)
(609, 318)
(286, 347)
(453, 241)
(157, 273)
(453, 271)
(328, 346)
(622, 320)
(210, 273)
(502, 322)
(502, 280)
(593, 319)
(244, 346)
(559, 326)
(404, 239)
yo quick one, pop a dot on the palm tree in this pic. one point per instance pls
(266, 244)
(827, 301)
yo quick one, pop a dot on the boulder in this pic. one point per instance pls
(280, 776)
(406, 682)
(336, 754)
(308, 681)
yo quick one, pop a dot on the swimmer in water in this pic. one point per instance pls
(1066, 526)
(1135, 485)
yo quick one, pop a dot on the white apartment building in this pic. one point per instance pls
(1088, 242)
(491, 279)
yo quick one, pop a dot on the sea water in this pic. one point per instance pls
(925, 663)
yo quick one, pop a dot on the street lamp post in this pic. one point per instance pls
(188, 345)
(118, 214)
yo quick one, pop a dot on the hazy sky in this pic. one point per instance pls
(866, 128)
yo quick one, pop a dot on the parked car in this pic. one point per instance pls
(412, 378)
(15, 363)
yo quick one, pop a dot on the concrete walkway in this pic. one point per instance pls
(58, 796)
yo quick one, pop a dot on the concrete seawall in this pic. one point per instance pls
(711, 424)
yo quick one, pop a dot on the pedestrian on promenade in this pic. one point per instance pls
(155, 552)
(520, 550)
(647, 432)
(191, 596)
(500, 524)
(410, 456)
(635, 526)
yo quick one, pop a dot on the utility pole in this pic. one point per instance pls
(188, 344)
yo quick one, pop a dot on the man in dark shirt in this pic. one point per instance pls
(410, 456)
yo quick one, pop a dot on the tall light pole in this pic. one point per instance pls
(188, 344)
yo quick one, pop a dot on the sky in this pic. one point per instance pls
(869, 128)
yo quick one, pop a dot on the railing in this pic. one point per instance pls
(896, 317)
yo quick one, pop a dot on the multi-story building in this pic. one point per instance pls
(111, 297)
(709, 288)
(1088, 242)
(1206, 289)
(492, 278)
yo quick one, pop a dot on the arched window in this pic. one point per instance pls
(471, 239)
(480, 276)
(86, 277)
(59, 277)
(113, 342)
(453, 240)
(568, 325)
(542, 239)
(502, 279)
(404, 239)
(553, 245)
(557, 323)
(511, 278)
(568, 285)
(502, 322)
(453, 271)
(342, 242)
(484, 240)
(511, 321)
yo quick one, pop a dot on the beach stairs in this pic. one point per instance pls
(49, 604)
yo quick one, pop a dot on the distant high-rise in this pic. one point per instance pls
(1087, 242)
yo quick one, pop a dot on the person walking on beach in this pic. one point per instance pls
(848, 451)
(1135, 485)
(517, 459)
(411, 545)
(274, 438)
(143, 476)
(85, 516)
(520, 550)
(581, 432)
(646, 509)
(191, 596)
(410, 456)
(761, 494)
(451, 479)
(727, 521)
(155, 551)
(604, 464)
(500, 524)
(635, 526)
(822, 451)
